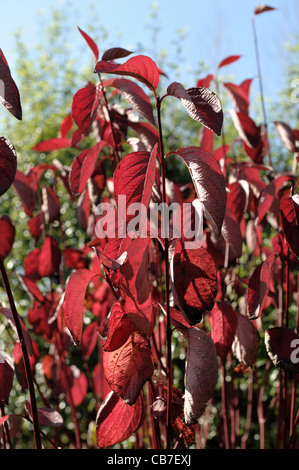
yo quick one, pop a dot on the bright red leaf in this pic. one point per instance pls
(7, 235)
(91, 44)
(49, 257)
(83, 167)
(229, 60)
(84, 107)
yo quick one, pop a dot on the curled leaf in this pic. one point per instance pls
(202, 104)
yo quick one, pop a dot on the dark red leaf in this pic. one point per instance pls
(258, 287)
(25, 188)
(135, 95)
(9, 93)
(209, 183)
(56, 143)
(51, 204)
(239, 94)
(246, 342)
(282, 345)
(224, 324)
(201, 373)
(75, 259)
(129, 367)
(6, 377)
(194, 278)
(115, 53)
(7, 235)
(270, 194)
(8, 164)
(84, 107)
(141, 67)
(91, 44)
(114, 410)
(287, 136)
(229, 60)
(46, 416)
(201, 103)
(89, 339)
(262, 8)
(289, 213)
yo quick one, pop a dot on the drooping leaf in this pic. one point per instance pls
(224, 324)
(116, 420)
(46, 416)
(84, 107)
(289, 213)
(282, 345)
(9, 93)
(202, 104)
(8, 164)
(287, 136)
(201, 373)
(239, 95)
(73, 305)
(25, 189)
(193, 274)
(141, 67)
(246, 342)
(135, 95)
(83, 167)
(49, 257)
(7, 371)
(209, 183)
(129, 367)
(228, 60)
(259, 286)
(91, 44)
(7, 235)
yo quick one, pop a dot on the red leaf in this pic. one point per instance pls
(7, 235)
(134, 178)
(31, 288)
(229, 60)
(115, 53)
(84, 107)
(75, 259)
(120, 328)
(51, 204)
(49, 257)
(205, 82)
(9, 93)
(224, 325)
(194, 279)
(289, 213)
(247, 129)
(91, 44)
(129, 367)
(209, 183)
(258, 287)
(66, 126)
(201, 373)
(201, 103)
(282, 348)
(270, 194)
(146, 132)
(141, 67)
(89, 339)
(74, 384)
(135, 95)
(6, 377)
(83, 167)
(56, 143)
(8, 164)
(115, 411)
(239, 94)
(73, 305)
(262, 8)
(24, 187)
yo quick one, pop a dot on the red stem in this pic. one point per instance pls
(25, 355)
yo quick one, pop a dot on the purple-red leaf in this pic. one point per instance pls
(287, 136)
(262, 8)
(224, 324)
(258, 287)
(202, 104)
(8, 164)
(246, 342)
(9, 93)
(46, 416)
(289, 213)
(7, 235)
(141, 67)
(115, 53)
(83, 167)
(201, 373)
(6, 377)
(49, 257)
(209, 183)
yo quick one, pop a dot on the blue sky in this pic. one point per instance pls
(214, 29)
